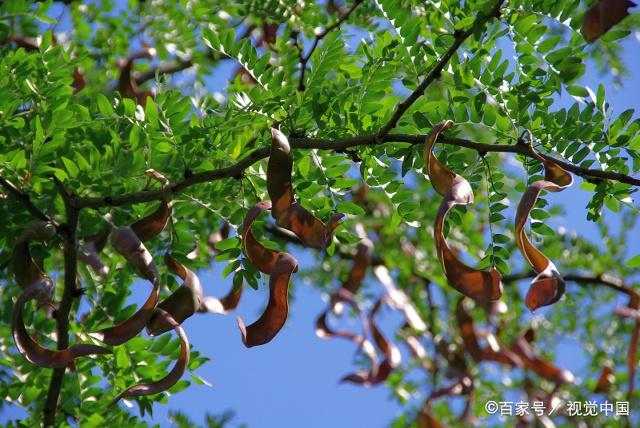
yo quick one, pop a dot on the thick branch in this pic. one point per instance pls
(236, 170)
(304, 59)
(69, 230)
(24, 199)
(170, 68)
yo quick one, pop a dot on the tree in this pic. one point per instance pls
(394, 138)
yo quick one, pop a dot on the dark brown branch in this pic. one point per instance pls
(437, 70)
(69, 231)
(603, 279)
(24, 199)
(304, 59)
(236, 170)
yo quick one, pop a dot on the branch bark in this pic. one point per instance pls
(236, 170)
(70, 292)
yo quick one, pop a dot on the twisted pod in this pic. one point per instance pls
(548, 286)
(37, 285)
(279, 266)
(480, 285)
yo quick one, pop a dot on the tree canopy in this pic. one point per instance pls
(422, 150)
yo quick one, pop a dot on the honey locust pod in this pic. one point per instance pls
(392, 357)
(522, 348)
(25, 270)
(279, 266)
(288, 213)
(89, 254)
(176, 372)
(127, 243)
(548, 286)
(37, 354)
(150, 226)
(480, 285)
(602, 16)
(182, 303)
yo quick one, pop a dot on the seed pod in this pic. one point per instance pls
(176, 372)
(127, 243)
(149, 227)
(548, 286)
(480, 285)
(602, 16)
(288, 213)
(90, 253)
(182, 303)
(26, 271)
(37, 354)
(261, 257)
(539, 366)
(275, 315)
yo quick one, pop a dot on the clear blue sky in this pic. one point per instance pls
(293, 381)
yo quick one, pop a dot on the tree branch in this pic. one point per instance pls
(437, 70)
(24, 199)
(304, 59)
(170, 68)
(236, 170)
(70, 292)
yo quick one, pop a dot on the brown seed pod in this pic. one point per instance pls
(37, 354)
(279, 266)
(392, 357)
(176, 372)
(26, 271)
(127, 243)
(288, 213)
(548, 286)
(480, 285)
(150, 226)
(181, 304)
(602, 16)
(539, 366)
(90, 252)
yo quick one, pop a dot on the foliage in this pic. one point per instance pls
(95, 95)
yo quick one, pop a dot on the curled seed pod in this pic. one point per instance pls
(539, 366)
(605, 380)
(90, 253)
(470, 340)
(358, 271)
(480, 285)
(37, 354)
(602, 16)
(279, 266)
(127, 243)
(181, 304)
(149, 227)
(224, 305)
(261, 257)
(548, 286)
(392, 357)
(324, 331)
(275, 315)
(26, 271)
(398, 299)
(288, 213)
(176, 372)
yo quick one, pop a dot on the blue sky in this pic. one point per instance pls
(293, 380)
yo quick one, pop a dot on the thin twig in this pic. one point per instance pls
(436, 70)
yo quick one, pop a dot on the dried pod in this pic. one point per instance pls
(605, 380)
(602, 16)
(181, 304)
(359, 269)
(224, 305)
(540, 366)
(261, 257)
(275, 315)
(324, 331)
(176, 372)
(127, 243)
(37, 354)
(480, 285)
(288, 213)
(398, 299)
(150, 226)
(89, 254)
(26, 271)
(392, 357)
(548, 286)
